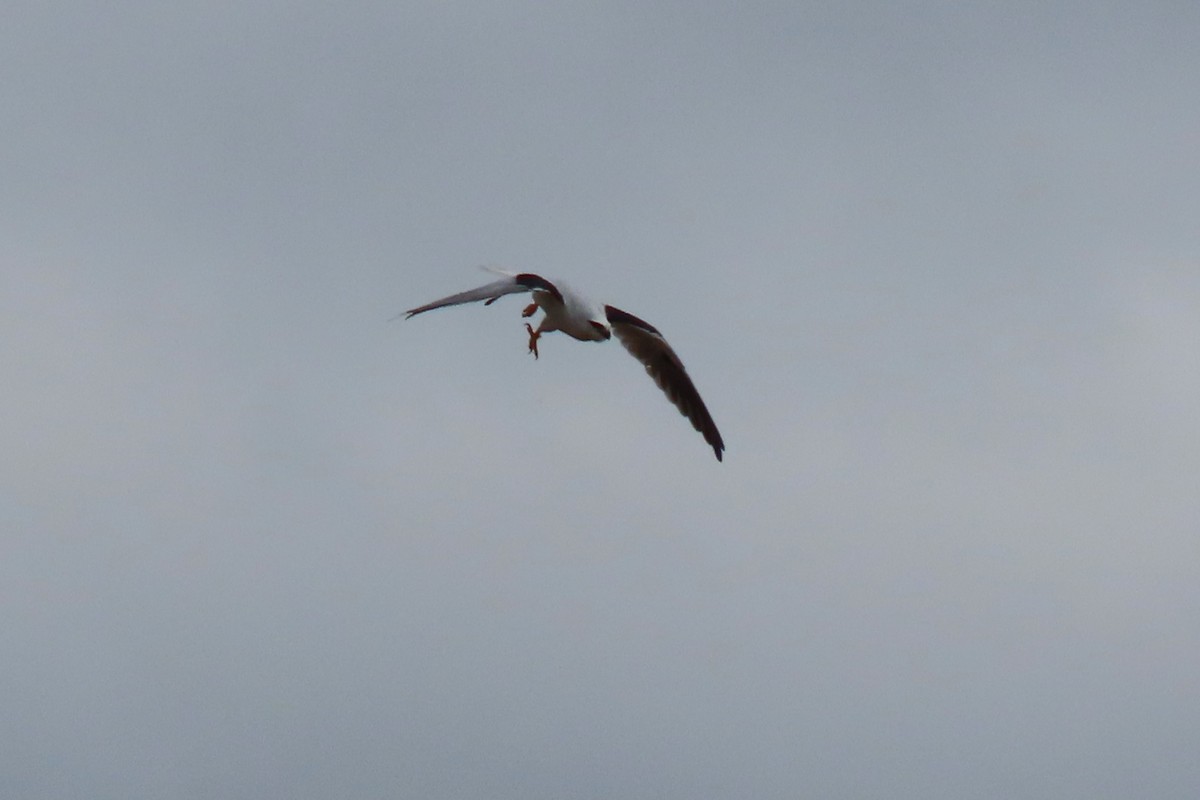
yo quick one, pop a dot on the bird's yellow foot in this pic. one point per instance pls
(533, 337)
(529, 309)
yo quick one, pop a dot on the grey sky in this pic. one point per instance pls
(934, 267)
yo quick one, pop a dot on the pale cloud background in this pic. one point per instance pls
(934, 266)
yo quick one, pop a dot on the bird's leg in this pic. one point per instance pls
(529, 309)
(533, 337)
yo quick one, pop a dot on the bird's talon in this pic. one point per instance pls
(529, 310)
(533, 337)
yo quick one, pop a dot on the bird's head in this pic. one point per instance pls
(602, 328)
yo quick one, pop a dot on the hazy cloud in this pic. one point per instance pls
(933, 268)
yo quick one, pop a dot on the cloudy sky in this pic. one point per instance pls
(934, 266)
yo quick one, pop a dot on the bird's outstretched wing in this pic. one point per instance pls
(648, 346)
(511, 283)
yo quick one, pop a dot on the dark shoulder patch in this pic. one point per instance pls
(531, 281)
(618, 317)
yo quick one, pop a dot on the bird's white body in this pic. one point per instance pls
(573, 314)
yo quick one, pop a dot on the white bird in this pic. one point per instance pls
(588, 321)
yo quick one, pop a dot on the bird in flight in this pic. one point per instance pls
(587, 321)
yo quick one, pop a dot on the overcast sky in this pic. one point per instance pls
(934, 266)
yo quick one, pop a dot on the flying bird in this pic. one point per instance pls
(582, 319)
